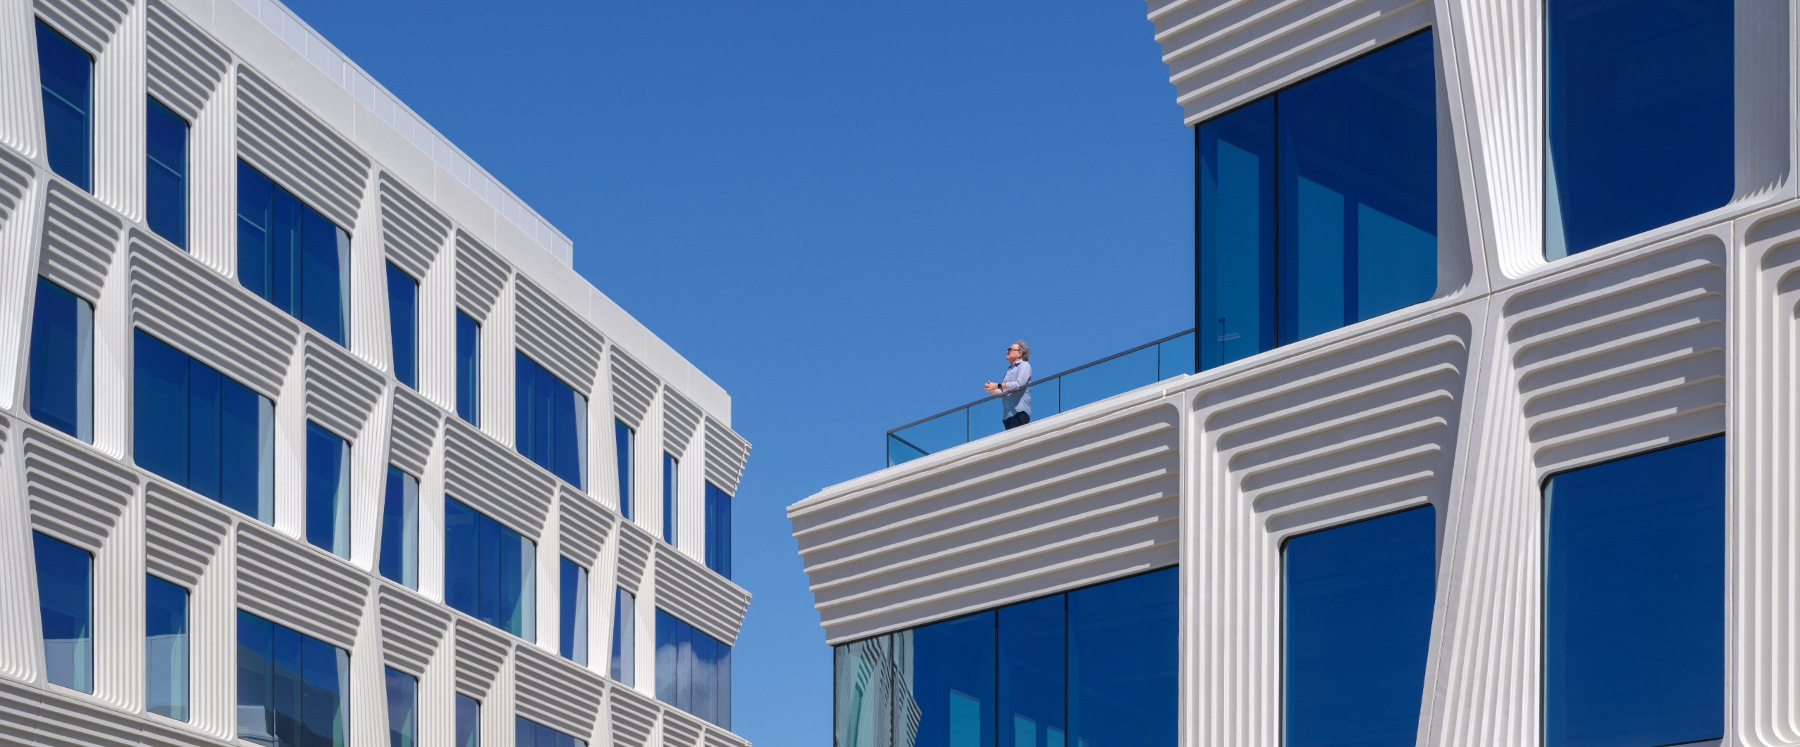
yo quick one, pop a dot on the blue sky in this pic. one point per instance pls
(843, 212)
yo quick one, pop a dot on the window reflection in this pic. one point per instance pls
(402, 708)
(327, 491)
(490, 571)
(62, 361)
(165, 173)
(573, 611)
(202, 430)
(693, 670)
(552, 422)
(65, 586)
(468, 369)
(291, 255)
(403, 324)
(622, 439)
(468, 722)
(166, 648)
(400, 528)
(718, 530)
(66, 75)
(528, 733)
(624, 637)
(292, 688)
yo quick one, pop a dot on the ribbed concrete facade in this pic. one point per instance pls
(256, 85)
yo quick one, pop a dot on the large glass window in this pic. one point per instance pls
(197, 428)
(693, 670)
(528, 733)
(327, 490)
(623, 435)
(400, 528)
(62, 361)
(1358, 601)
(1640, 117)
(468, 369)
(402, 708)
(65, 580)
(293, 689)
(490, 571)
(718, 530)
(165, 173)
(468, 722)
(1634, 600)
(573, 627)
(165, 648)
(624, 637)
(552, 423)
(1318, 204)
(670, 496)
(291, 255)
(403, 324)
(66, 74)
(1030, 669)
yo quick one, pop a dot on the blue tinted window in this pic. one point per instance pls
(66, 73)
(490, 571)
(1634, 606)
(718, 530)
(291, 255)
(1358, 604)
(528, 733)
(202, 430)
(670, 469)
(947, 670)
(624, 637)
(468, 369)
(62, 361)
(65, 580)
(622, 437)
(400, 528)
(165, 173)
(1123, 661)
(468, 722)
(693, 670)
(403, 324)
(862, 697)
(293, 689)
(573, 627)
(166, 648)
(552, 422)
(1031, 671)
(1318, 205)
(327, 491)
(1640, 109)
(402, 708)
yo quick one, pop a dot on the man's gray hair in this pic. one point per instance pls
(1024, 350)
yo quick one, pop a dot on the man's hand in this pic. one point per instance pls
(991, 387)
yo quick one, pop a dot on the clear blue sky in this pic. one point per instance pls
(841, 211)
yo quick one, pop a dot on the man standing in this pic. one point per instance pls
(1015, 399)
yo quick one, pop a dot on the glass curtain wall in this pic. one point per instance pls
(291, 255)
(62, 361)
(468, 369)
(624, 637)
(165, 173)
(66, 77)
(202, 430)
(490, 571)
(327, 491)
(400, 529)
(403, 324)
(293, 689)
(693, 670)
(166, 648)
(552, 422)
(402, 708)
(573, 612)
(65, 585)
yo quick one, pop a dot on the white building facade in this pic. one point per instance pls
(1487, 437)
(309, 431)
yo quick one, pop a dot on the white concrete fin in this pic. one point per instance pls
(75, 494)
(89, 23)
(182, 532)
(341, 390)
(633, 389)
(411, 629)
(585, 526)
(275, 572)
(495, 480)
(415, 430)
(185, 66)
(633, 717)
(556, 692)
(726, 453)
(480, 276)
(16, 176)
(634, 555)
(34, 716)
(680, 730)
(702, 598)
(716, 737)
(480, 653)
(301, 154)
(681, 418)
(80, 236)
(209, 317)
(412, 231)
(557, 338)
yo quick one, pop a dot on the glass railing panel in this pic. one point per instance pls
(1107, 378)
(929, 436)
(1175, 356)
(985, 417)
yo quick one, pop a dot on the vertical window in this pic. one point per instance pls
(327, 491)
(293, 689)
(1357, 628)
(468, 722)
(624, 638)
(468, 369)
(1030, 674)
(65, 579)
(166, 648)
(1634, 599)
(1634, 140)
(693, 670)
(1318, 205)
(402, 708)
(862, 684)
(1123, 654)
(574, 612)
(403, 324)
(528, 733)
(671, 497)
(290, 255)
(622, 437)
(718, 530)
(490, 571)
(66, 73)
(202, 430)
(946, 669)
(165, 173)
(62, 361)
(400, 529)
(552, 422)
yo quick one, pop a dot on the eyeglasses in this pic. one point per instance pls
(1013, 350)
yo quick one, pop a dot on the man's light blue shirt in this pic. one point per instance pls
(1017, 398)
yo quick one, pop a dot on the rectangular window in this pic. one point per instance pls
(400, 529)
(490, 571)
(62, 361)
(468, 369)
(166, 648)
(624, 638)
(327, 491)
(403, 324)
(293, 689)
(574, 612)
(1634, 599)
(468, 722)
(1030, 671)
(65, 580)
(1357, 627)
(165, 173)
(552, 423)
(202, 430)
(530, 733)
(693, 670)
(718, 530)
(1633, 141)
(671, 469)
(622, 438)
(291, 255)
(66, 74)
(402, 708)
(1318, 204)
